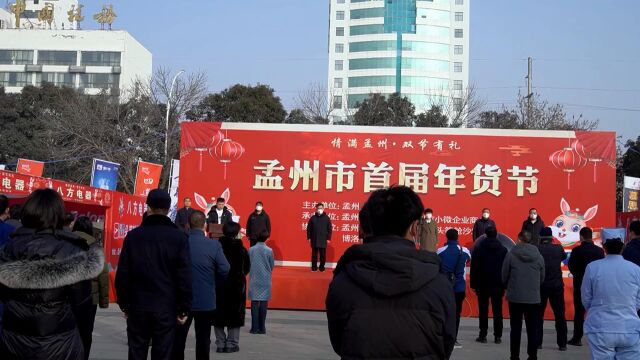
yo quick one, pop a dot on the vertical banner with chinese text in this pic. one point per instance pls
(30, 167)
(147, 177)
(630, 195)
(569, 176)
(104, 174)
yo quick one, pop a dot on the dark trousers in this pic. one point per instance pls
(459, 301)
(142, 327)
(258, 316)
(530, 312)
(578, 317)
(483, 311)
(203, 321)
(85, 322)
(556, 297)
(314, 258)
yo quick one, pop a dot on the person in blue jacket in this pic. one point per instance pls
(454, 259)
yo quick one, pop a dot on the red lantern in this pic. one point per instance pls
(589, 155)
(200, 141)
(227, 151)
(567, 160)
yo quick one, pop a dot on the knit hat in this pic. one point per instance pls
(159, 199)
(546, 233)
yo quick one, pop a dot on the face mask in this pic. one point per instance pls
(259, 208)
(533, 216)
(320, 211)
(429, 216)
(485, 215)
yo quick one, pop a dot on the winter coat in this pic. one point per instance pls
(231, 295)
(182, 218)
(523, 274)
(534, 228)
(631, 251)
(486, 265)
(388, 300)
(454, 260)
(5, 232)
(581, 256)
(17, 224)
(209, 266)
(428, 235)
(99, 285)
(41, 279)
(319, 230)
(262, 264)
(258, 225)
(212, 217)
(154, 270)
(553, 255)
(481, 226)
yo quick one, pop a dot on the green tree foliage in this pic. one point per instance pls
(380, 111)
(434, 118)
(242, 103)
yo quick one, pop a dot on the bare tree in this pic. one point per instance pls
(461, 107)
(316, 103)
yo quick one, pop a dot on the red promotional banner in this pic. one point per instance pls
(568, 176)
(30, 167)
(147, 178)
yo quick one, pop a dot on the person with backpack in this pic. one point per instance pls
(454, 259)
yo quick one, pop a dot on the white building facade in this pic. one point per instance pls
(418, 48)
(89, 60)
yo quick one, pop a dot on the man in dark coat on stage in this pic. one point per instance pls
(319, 231)
(183, 215)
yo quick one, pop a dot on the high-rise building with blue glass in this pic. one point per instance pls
(418, 48)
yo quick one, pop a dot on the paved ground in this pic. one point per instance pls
(303, 335)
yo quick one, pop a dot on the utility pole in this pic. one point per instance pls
(529, 86)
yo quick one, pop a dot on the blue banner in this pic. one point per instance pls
(104, 174)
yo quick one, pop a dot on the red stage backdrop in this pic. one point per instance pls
(569, 176)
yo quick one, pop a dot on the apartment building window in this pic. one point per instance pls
(340, 31)
(16, 57)
(457, 104)
(15, 79)
(100, 58)
(459, 16)
(458, 50)
(340, 15)
(339, 65)
(337, 83)
(457, 67)
(100, 81)
(57, 57)
(457, 84)
(340, 1)
(339, 48)
(57, 79)
(337, 102)
(459, 33)
(459, 2)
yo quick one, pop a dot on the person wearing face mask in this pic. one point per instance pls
(258, 224)
(533, 225)
(482, 224)
(428, 232)
(319, 231)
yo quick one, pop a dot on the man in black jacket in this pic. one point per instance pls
(552, 289)
(486, 280)
(482, 224)
(387, 299)
(183, 215)
(319, 231)
(258, 224)
(533, 225)
(631, 251)
(220, 214)
(153, 281)
(581, 256)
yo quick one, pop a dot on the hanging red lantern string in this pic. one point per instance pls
(582, 151)
(567, 160)
(201, 142)
(227, 151)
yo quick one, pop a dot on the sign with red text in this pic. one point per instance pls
(569, 176)
(30, 167)
(147, 178)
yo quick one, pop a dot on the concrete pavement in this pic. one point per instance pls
(295, 335)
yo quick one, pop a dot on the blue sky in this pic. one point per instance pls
(586, 53)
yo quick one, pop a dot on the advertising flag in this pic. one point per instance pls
(631, 191)
(147, 177)
(30, 167)
(173, 187)
(104, 174)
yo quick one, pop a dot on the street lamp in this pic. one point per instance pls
(166, 125)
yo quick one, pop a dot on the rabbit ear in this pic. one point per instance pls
(200, 201)
(564, 206)
(226, 194)
(591, 213)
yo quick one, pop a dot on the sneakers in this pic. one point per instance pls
(574, 342)
(498, 340)
(457, 345)
(481, 339)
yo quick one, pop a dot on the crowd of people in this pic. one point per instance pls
(395, 295)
